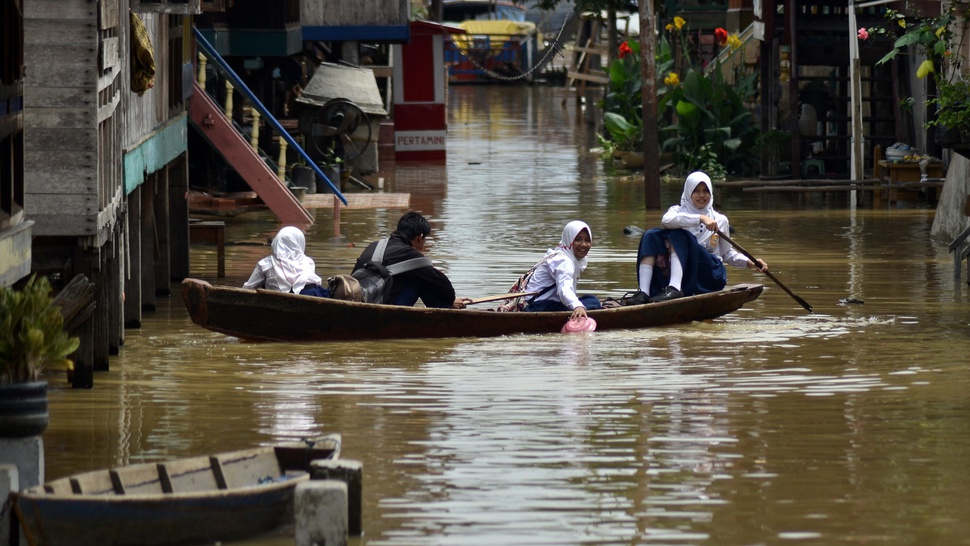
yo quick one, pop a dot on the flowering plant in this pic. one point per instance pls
(931, 38)
(704, 111)
(695, 110)
(623, 104)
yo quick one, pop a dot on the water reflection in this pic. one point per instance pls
(843, 426)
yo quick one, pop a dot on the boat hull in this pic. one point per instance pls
(198, 500)
(274, 316)
(159, 521)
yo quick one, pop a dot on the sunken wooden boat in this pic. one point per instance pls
(275, 316)
(198, 500)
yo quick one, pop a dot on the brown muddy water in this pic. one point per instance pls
(769, 426)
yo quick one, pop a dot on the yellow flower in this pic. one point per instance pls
(669, 27)
(902, 23)
(734, 42)
(672, 79)
(679, 22)
(925, 69)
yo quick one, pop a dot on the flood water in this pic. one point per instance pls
(771, 425)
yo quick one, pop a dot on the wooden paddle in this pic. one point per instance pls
(747, 254)
(501, 297)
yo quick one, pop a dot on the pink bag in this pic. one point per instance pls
(582, 324)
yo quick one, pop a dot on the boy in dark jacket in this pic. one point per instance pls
(427, 283)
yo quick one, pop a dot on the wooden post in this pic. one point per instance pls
(254, 138)
(648, 92)
(281, 164)
(201, 76)
(336, 217)
(229, 89)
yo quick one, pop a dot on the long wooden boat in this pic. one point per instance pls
(274, 316)
(198, 500)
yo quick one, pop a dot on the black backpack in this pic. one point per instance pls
(375, 282)
(376, 279)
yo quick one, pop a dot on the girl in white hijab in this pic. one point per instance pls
(557, 275)
(288, 269)
(687, 253)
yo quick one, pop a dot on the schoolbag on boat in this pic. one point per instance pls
(345, 287)
(375, 280)
(515, 305)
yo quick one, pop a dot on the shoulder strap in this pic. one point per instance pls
(400, 267)
(545, 290)
(409, 265)
(378, 255)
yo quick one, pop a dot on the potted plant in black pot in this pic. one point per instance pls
(953, 112)
(303, 176)
(32, 338)
(933, 40)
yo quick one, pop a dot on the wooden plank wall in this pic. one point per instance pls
(143, 114)
(354, 12)
(72, 162)
(11, 118)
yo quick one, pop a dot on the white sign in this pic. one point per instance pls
(416, 141)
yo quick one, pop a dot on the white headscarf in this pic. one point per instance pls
(292, 268)
(569, 234)
(693, 180)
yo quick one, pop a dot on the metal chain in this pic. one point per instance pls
(556, 47)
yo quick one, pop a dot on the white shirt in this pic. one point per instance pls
(560, 270)
(677, 218)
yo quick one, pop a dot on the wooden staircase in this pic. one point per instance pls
(213, 124)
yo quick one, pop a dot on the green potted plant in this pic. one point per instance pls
(303, 176)
(953, 112)
(32, 338)
(332, 165)
(932, 39)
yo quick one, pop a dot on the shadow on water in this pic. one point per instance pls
(844, 426)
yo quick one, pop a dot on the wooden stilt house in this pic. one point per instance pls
(15, 229)
(105, 165)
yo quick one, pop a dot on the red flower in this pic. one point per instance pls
(625, 50)
(721, 36)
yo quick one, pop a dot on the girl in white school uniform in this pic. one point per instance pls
(557, 275)
(288, 268)
(686, 256)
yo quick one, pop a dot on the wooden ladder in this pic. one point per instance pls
(579, 67)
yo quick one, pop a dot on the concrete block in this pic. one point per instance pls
(9, 483)
(350, 472)
(321, 513)
(368, 161)
(28, 455)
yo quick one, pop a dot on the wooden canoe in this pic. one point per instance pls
(198, 500)
(274, 316)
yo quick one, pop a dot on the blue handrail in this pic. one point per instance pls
(238, 83)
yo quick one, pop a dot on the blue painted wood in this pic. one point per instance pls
(400, 33)
(155, 152)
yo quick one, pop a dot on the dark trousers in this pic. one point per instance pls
(315, 290)
(409, 294)
(703, 272)
(590, 302)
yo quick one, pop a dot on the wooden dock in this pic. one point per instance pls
(359, 201)
(877, 186)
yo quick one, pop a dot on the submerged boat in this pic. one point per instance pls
(207, 499)
(498, 40)
(275, 316)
